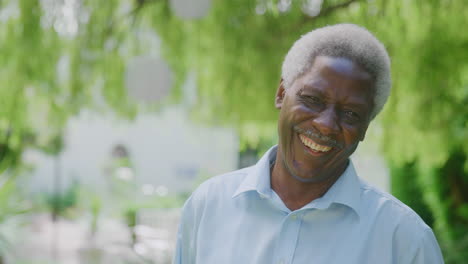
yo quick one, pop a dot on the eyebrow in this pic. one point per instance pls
(317, 90)
(317, 83)
(324, 95)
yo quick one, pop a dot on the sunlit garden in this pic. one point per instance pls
(113, 112)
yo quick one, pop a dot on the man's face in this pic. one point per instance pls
(323, 116)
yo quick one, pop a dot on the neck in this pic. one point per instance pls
(296, 194)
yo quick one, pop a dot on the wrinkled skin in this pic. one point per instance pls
(330, 104)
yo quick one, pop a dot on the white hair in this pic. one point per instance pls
(343, 40)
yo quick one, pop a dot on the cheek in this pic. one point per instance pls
(283, 128)
(292, 115)
(353, 136)
(299, 114)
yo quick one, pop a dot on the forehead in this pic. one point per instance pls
(342, 67)
(338, 78)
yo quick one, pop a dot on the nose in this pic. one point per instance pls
(327, 121)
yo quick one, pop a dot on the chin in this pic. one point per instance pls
(308, 176)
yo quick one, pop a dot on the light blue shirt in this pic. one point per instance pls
(237, 218)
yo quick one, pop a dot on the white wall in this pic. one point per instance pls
(165, 149)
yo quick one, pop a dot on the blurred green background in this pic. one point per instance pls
(61, 57)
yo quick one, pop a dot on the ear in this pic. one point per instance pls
(280, 95)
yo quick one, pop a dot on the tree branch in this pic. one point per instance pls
(331, 9)
(133, 14)
(326, 11)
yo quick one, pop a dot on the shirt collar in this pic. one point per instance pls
(258, 178)
(346, 190)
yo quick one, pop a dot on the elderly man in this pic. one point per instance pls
(303, 202)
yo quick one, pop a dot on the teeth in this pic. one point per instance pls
(314, 146)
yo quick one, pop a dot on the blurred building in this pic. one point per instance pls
(167, 152)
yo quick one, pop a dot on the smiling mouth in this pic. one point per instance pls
(312, 145)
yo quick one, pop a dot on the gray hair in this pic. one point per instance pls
(343, 40)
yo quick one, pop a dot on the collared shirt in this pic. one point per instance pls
(237, 218)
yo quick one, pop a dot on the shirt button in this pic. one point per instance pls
(281, 262)
(293, 217)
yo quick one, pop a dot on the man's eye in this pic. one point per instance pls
(352, 116)
(311, 100)
(314, 99)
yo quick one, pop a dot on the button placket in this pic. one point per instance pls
(288, 239)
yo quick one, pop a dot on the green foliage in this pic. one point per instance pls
(60, 203)
(96, 207)
(48, 75)
(235, 70)
(445, 193)
(406, 187)
(11, 202)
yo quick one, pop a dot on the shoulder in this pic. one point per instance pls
(217, 188)
(391, 215)
(409, 233)
(388, 205)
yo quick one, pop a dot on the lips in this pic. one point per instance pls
(314, 146)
